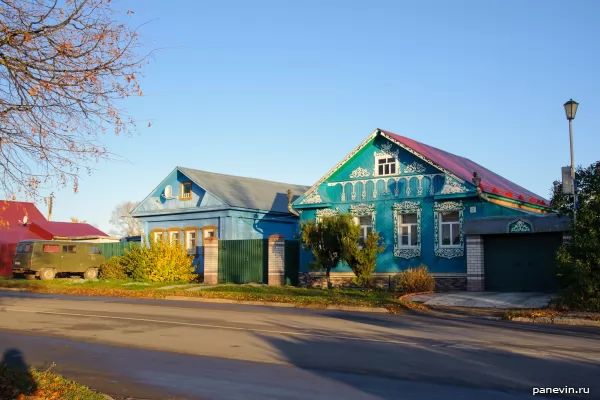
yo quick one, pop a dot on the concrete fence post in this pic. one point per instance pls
(475, 264)
(211, 260)
(276, 260)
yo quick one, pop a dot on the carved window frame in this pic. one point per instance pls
(364, 210)
(325, 212)
(448, 251)
(406, 207)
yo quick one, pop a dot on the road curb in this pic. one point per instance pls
(558, 321)
(13, 289)
(380, 310)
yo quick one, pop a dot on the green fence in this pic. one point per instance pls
(243, 261)
(116, 249)
(292, 262)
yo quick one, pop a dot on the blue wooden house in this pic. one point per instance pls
(418, 198)
(190, 205)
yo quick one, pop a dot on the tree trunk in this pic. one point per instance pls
(327, 275)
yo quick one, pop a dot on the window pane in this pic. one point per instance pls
(404, 230)
(367, 220)
(387, 169)
(51, 248)
(450, 216)
(382, 161)
(455, 234)
(93, 250)
(413, 236)
(393, 166)
(381, 170)
(404, 240)
(408, 218)
(445, 235)
(391, 160)
(27, 248)
(369, 231)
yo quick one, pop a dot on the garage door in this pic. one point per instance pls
(521, 263)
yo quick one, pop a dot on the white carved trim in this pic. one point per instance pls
(414, 168)
(448, 252)
(407, 207)
(313, 198)
(359, 173)
(326, 212)
(386, 179)
(520, 226)
(362, 209)
(453, 187)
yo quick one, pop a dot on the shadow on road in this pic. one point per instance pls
(459, 368)
(15, 378)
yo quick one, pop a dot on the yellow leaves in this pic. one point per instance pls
(34, 91)
(27, 37)
(141, 93)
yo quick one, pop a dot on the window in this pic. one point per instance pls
(209, 232)
(24, 248)
(450, 229)
(407, 230)
(158, 235)
(386, 165)
(69, 249)
(174, 237)
(186, 191)
(51, 248)
(366, 227)
(191, 239)
(93, 250)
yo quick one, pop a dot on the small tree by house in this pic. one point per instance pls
(364, 259)
(332, 240)
(578, 261)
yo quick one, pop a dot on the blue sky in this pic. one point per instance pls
(282, 90)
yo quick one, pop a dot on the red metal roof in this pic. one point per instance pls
(464, 168)
(64, 229)
(11, 212)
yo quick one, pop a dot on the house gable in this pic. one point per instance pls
(380, 169)
(167, 196)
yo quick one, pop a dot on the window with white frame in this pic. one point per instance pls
(449, 229)
(174, 237)
(407, 230)
(191, 240)
(158, 236)
(386, 165)
(366, 227)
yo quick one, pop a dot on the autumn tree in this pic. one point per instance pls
(78, 221)
(124, 223)
(64, 68)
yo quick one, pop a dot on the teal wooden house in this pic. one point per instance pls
(419, 199)
(190, 205)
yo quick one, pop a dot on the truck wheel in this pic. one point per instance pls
(90, 273)
(47, 274)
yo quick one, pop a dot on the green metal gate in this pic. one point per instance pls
(292, 262)
(521, 263)
(243, 261)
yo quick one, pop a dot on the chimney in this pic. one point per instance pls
(50, 207)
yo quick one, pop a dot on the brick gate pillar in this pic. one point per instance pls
(475, 264)
(276, 260)
(211, 260)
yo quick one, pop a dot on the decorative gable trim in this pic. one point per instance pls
(326, 212)
(448, 252)
(338, 165)
(359, 173)
(313, 198)
(453, 187)
(414, 168)
(419, 155)
(519, 226)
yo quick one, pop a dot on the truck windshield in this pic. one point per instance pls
(24, 248)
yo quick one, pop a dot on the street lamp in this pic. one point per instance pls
(570, 111)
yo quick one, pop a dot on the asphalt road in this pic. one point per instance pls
(182, 350)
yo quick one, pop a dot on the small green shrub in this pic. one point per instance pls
(113, 268)
(364, 260)
(414, 280)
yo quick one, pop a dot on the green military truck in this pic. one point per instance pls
(47, 258)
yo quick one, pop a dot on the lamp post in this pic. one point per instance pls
(570, 111)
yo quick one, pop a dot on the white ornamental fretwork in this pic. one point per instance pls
(448, 206)
(453, 187)
(343, 192)
(361, 210)
(414, 168)
(327, 212)
(313, 198)
(353, 194)
(359, 173)
(386, 149)
(519, 227)
(420, 188)
(407, 206)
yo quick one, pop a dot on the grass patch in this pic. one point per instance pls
(530, 313)
(36, 384)
(300, 297)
